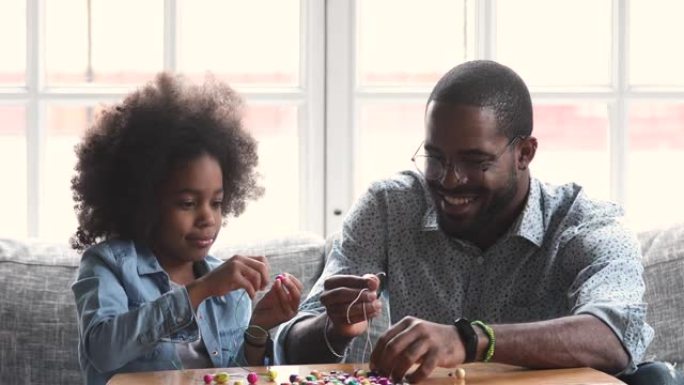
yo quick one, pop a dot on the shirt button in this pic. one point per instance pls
(214, 353)
(179, 319)
(480, 260)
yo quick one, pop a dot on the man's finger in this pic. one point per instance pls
(427, 366)
(376, 359)
(345, 296)
(352, 281)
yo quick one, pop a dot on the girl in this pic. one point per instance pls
(156, 176)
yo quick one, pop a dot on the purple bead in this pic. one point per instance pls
(252, 378)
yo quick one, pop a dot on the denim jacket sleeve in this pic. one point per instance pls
(111, 334)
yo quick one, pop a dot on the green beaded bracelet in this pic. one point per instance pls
(492, 340)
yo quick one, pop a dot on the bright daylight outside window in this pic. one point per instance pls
(605, 119)
(84, 60)
(608, 97)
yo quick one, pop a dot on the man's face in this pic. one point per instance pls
(471, 200)
(190, 212)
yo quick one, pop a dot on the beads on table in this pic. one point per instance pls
(252, 378)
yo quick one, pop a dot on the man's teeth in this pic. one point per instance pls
(457, 200)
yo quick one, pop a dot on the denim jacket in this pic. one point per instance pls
(129, 318)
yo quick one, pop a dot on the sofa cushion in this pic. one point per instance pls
(38, 327)
(663, 252)
(38, 331)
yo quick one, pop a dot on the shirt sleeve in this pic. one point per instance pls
(360, 249)
(112, 335)
(609, 285)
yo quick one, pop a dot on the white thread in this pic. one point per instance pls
(325, 337)
(369, 342)
(352, 304)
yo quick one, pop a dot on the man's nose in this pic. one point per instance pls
(453, 177)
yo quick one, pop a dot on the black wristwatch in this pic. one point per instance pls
(469, 338)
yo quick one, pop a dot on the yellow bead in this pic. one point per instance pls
(221, 377)
(460, 373)
(272, 374)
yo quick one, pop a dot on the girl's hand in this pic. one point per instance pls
(238, 272)
(279, 304)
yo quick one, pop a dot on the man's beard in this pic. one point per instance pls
(485, 218)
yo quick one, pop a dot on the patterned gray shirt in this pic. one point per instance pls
(565, 254)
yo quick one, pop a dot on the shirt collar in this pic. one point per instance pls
(529, 225)
(148, 263)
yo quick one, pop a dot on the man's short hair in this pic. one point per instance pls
(485, 83)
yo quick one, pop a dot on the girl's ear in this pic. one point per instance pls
(528, 147)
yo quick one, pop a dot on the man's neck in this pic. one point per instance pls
(503, 223)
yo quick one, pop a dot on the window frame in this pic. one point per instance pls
(344, 97)
(308, 96)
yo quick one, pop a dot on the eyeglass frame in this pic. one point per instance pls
(451, 165)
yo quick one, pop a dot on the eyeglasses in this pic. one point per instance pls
(435, 169)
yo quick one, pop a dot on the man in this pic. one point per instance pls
(482, 261)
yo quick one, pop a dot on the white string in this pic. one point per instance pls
(352, 304)
(368, 342)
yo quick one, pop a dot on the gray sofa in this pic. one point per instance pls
(38, 332)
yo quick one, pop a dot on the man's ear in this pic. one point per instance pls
(528, 147)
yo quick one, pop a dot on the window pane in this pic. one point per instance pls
(243, 42)
(388, 135)
(656, 153)
(654, 59)
(541, 40)
(13, 169)
(65, 126)
(277, 212)
(573, 146)
(124, 44)
(13, 42)
(414, 43)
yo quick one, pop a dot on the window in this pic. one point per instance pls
(608, 97)
(336, 92)
(63, 61)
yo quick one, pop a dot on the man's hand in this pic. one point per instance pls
(279, 304)
(339, 292)
(415, 341)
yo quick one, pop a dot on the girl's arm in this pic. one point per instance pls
(110, 333)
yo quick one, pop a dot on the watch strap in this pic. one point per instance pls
(468, 337)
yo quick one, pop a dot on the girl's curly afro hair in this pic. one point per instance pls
(133, 146)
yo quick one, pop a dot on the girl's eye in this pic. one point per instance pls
(217, 204)
(186, 204)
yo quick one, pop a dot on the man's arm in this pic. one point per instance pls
(325, 337)
(359, 250)
(305, 342)
(573, 341)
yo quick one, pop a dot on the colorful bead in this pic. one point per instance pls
(238, 382)
(272, 374)
(208, 378)
(460, 373)
(294, 378)
(252, 378)
(221, 377)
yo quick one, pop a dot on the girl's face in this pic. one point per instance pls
(190, 211)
